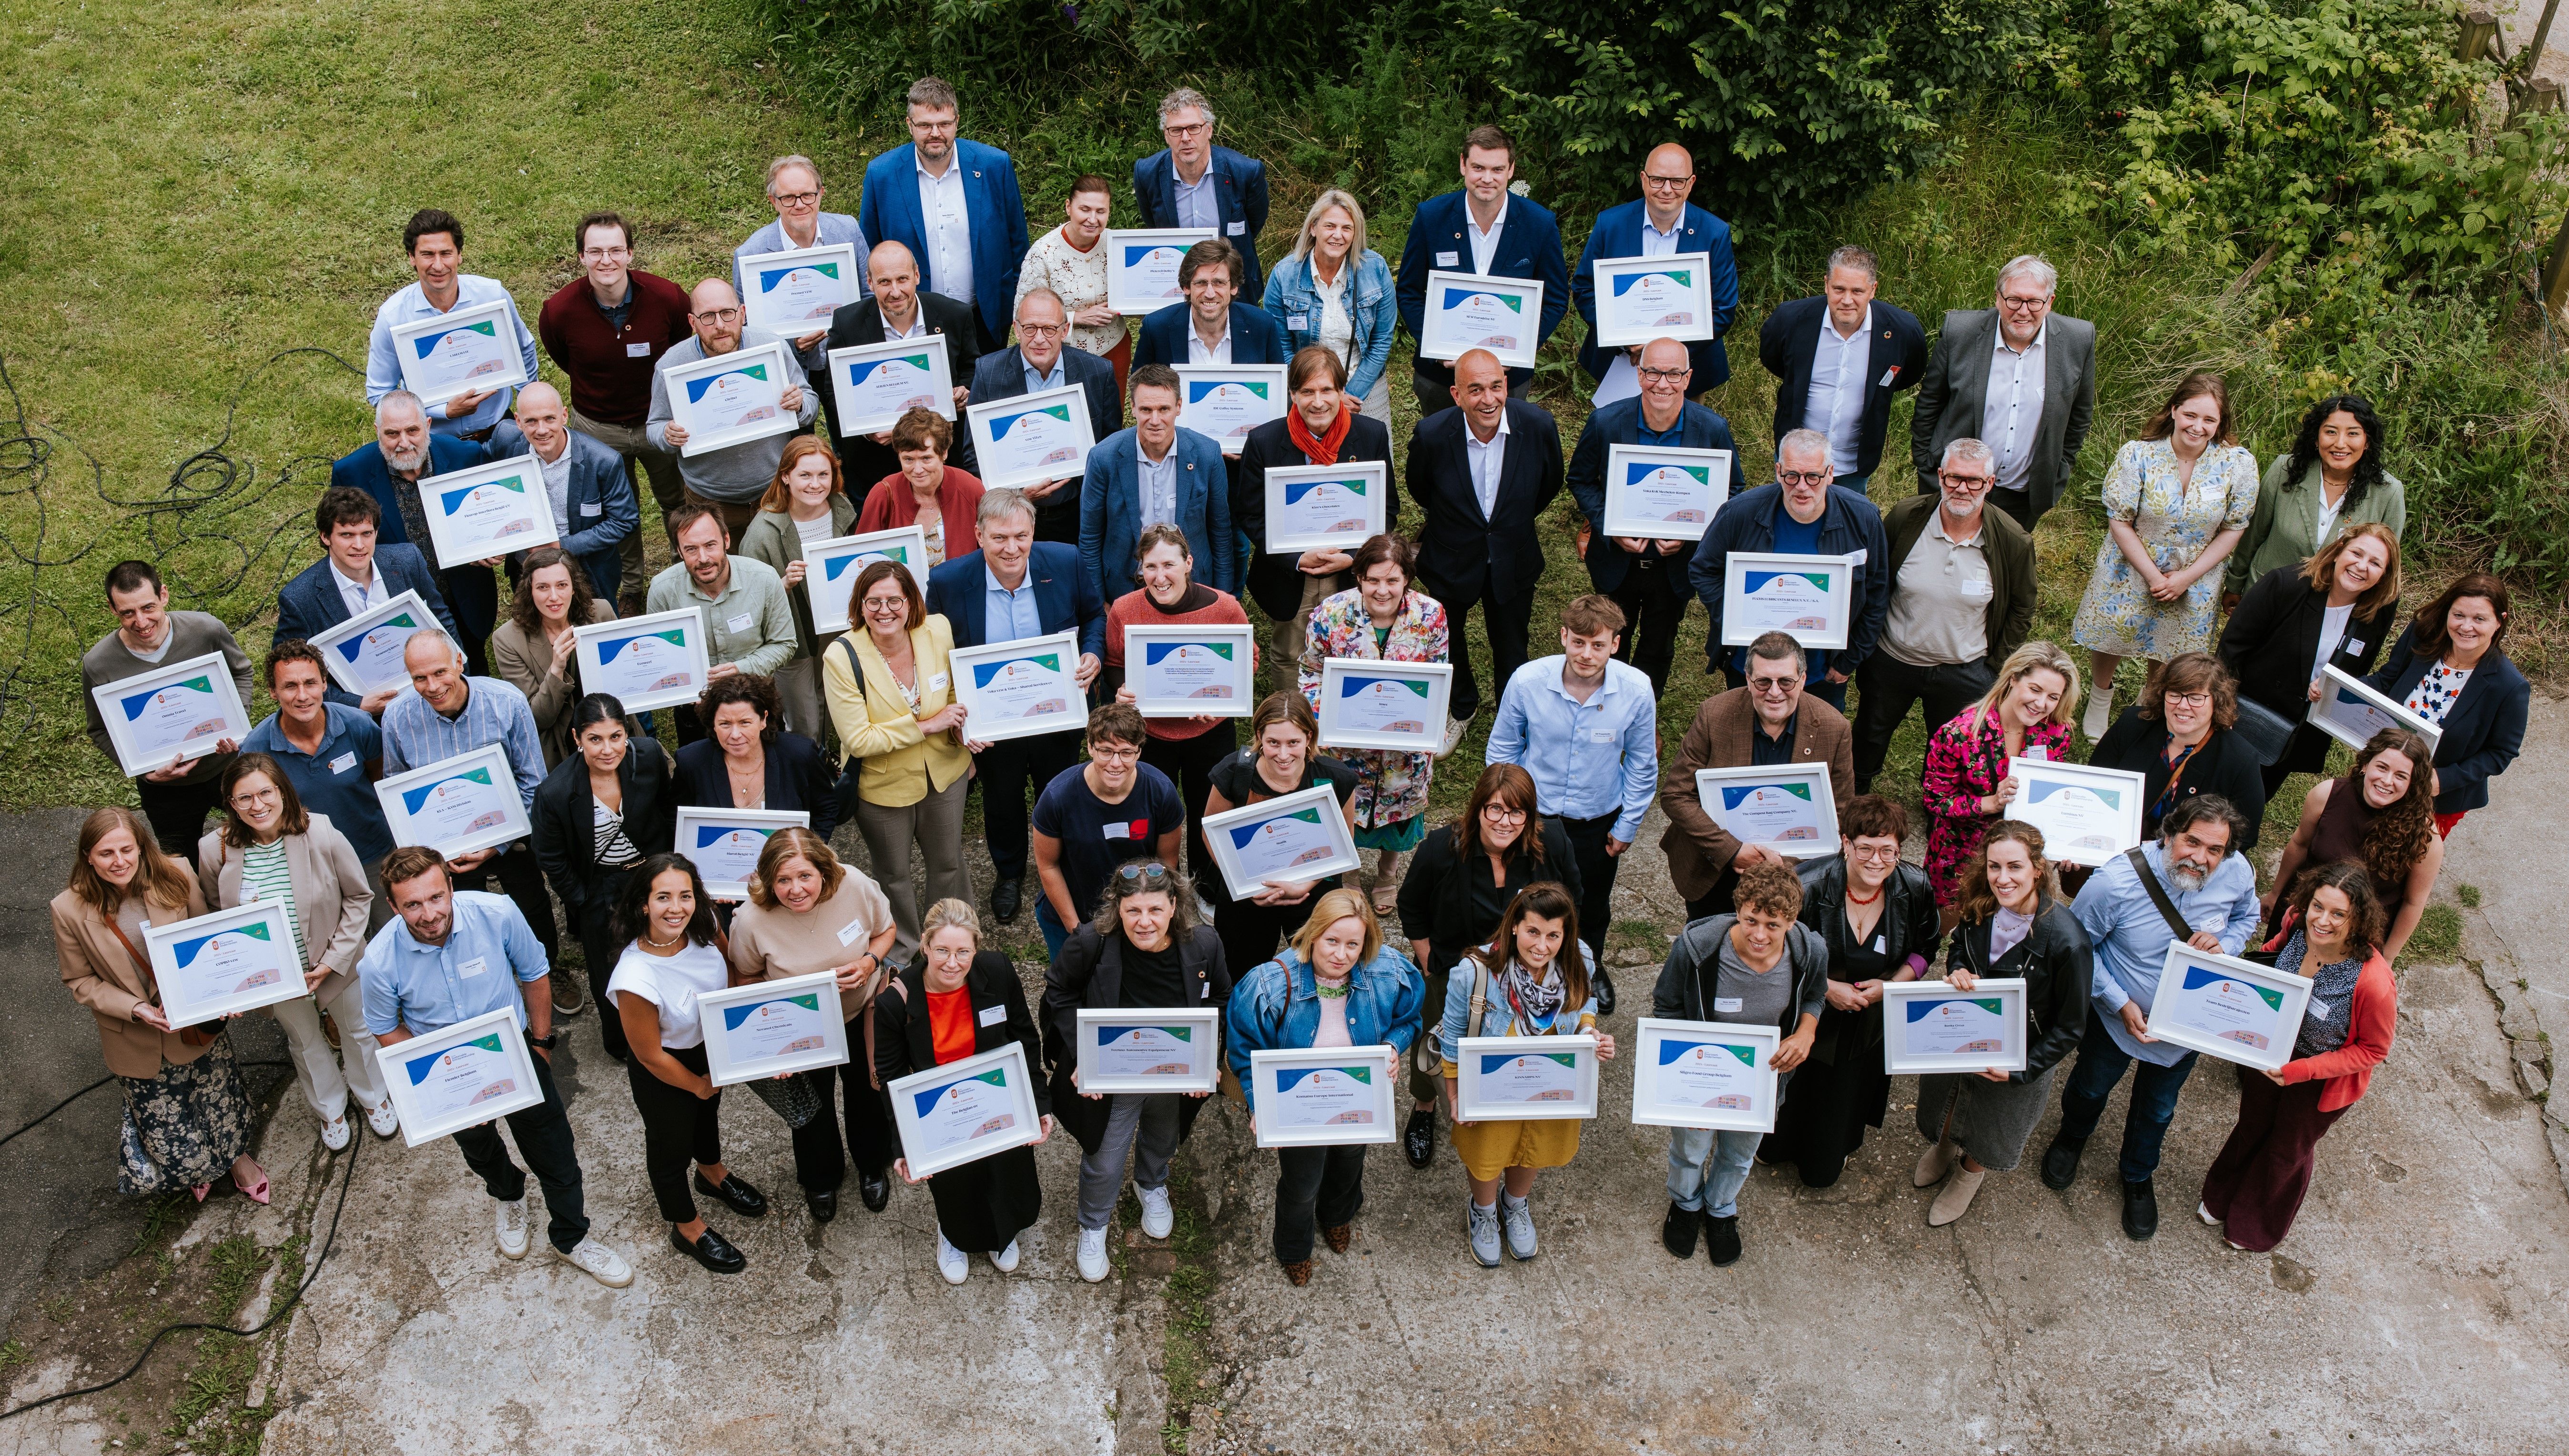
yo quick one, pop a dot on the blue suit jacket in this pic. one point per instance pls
(1529, 247)
(603, 509)
(1848, 524)
(889, 212)
(1618, 235)
(311, 601)
(1240, 198)
(2483, 731)
(1001, 374)
(1065, 597)
(1254, 336)
(1620, 424)
(1110, 511)
(1790, 337)
(363, 468)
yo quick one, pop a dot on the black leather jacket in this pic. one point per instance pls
(2057, 966)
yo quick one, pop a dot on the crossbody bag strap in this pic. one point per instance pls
(874, 1073)
(1480, 997)
(151, 986)
(2158, 895)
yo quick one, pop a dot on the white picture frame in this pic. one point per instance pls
(499, 1056)
(2087, 815)
(2200, 1005)
(1340, 507)
(732, 399)
(497, 360)
(714, 840)
(170, 713)
(1642, 478)
(1105, 1068)
(1222, 655)
(1912, 1009)
(831, 567)
(912, 1098)
(1307, 822)
(1347, 1102)
(1053, 437)
(487, 512)
(257, 938)
(1467, 311)
(1770, 591)
(874, 385)
(478, 782)
(1800, 824)
(1488, 1065)
(1633, 292)
(646, 662)
(793, 292)
(1019, 689)
(1349, 720)
(738, 1018)
(364, 653)
(1732, 1068)
(1224, 402)
(1142, 266)
(2351, 711)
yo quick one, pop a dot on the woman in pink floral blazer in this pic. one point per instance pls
(2026, 714)
(1383, 620)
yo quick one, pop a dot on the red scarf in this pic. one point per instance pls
(1322, 450)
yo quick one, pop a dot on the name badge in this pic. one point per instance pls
(638, 351)
(1600, 735)
(1204, 991)
(991, 1015)
(936, 681)
(1449, 260)
(2318, 1011)
(849, 932)
(1881, 944)
(739, 623)
(476, 966)
(1726, 1006)
(1118, 831)
(1236, 228)
(2037, 751)
(343, 762)
(2351, 645)
(593, 507)
(1298, 321)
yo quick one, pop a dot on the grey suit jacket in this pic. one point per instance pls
(1953, 391)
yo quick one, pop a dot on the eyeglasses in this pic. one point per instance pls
(1039, 330)
(1803, 476)
(1103, 752)
(255, 797)
(2025, 306)
(718, 315)
(1665, 183)
(1875, 854)
(1196, 129)
(796, 200)
(1774, 687)
(1955, 480)
(1666, 376)
(1502, 814)
(2190, 700)
(1143, 875)
(886, 604)
(601, 254)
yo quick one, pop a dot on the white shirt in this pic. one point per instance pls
(917, 325)
(557, 484)
(672, 984)
(1488, 462)
(1657, 245)
(2327, 527)
(1835, 407)
(372, 594)
(1156, 480)
(1335, 333)
(947, 215)
(1217, 352)
(2011, 411)
(2333, 623)
(1485, 245)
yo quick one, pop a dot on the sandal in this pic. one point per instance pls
(256, 1193)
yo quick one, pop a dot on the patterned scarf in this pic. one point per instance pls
(1323, 449)
(1536, 1002)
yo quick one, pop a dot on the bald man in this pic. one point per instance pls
(900, 309)
(729, 481)
(1657, 223)
(594, 507)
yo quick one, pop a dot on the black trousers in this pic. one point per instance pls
(678, 1128)
(523, 881)
(601, 946)
(1007, 769)
(1653, 595)
(821, 1148)
(1316, 1188)
(473, 594)
(1885, 690)
(544, 1139)
(178, 813)
(2017, 505)
(1188, 762)
(1504, 621)
(1596, 877)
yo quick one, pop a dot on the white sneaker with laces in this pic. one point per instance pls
(334, 1132)
(512, 1227)
(1092, 1255)
(1455, 728)
(951, 1260)
(1517, 1213)
(1005, 1260)
(1157, 1217)
(600, 1263)
(383, 1120)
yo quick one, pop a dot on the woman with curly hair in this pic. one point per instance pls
(2331, 481)
(2381, 815)
(534, 650)
(748, 759)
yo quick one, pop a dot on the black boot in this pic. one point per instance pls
(1601, 986)
(875, 1188)
(1722, 1235)
(1418, 1138)
(1680, 1231)
(2140, 1211)
(2060, 1164)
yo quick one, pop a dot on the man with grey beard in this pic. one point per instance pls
(390, 469)
(2196, 868)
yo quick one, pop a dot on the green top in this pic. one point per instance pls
(772, 537)
(2282, 532)
(750, 623)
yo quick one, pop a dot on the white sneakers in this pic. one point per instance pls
(383, 1120)
(1157, 1217)
(951, 1260)
(1092, 1255)
(512, 1227)
(596, 1261)
(1455, 728)
(334, 1132)
(1005, 1260)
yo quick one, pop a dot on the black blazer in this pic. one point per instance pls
(1910, 926)
(1001, 374)
(2269, 642)
(1089, 974)
(2483, 731)
(904, 1041)
(2057, 966)
(1790, 339)
(795, 779)
(1271, 580)
(566, 822)
(1456, 542)
(1436, 896)
(2223, 766)
(862, 322)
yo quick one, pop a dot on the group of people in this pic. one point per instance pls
(2236, 589)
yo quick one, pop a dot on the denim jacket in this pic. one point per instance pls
(1497, 1017)
(1371, 310)
(1277, 1007)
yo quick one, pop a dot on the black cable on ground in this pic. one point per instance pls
(39, 1118)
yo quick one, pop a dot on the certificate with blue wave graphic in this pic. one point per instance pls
(466, 350)
(794, 292)
(1160, 1049)
(1705, 1074)
(1142, 266)
(831, 568)
(1663, 493)
(1015, 690)
(457, 804)
(1327, 508)
(364, 653)
(1224, 402)
(2230, 1008)
(488, 511)
(965, 1110)
(1202, 670)
(1928, 1026)
(229, 961)
(1291, 839)
(1646, 298)
(1526, 1078)
(1320, 1097)
(1033, 438)
(460, 1076)
(176, 711)
(724, 843)
(874, 385)
(1467, 311)
(1791, 808)
(1366, 702)
(731, 399)
(2087, 815)
(1808, 599)
(771, 1027)
(644, 661)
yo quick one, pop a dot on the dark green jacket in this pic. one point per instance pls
(2010, 551)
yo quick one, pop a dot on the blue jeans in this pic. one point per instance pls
(1054, 932)
(2153, 1107)
(1693, 1186)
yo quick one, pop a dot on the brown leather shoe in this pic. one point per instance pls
(1298, 1272)
(1338, 1236)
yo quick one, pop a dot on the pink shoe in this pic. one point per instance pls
(200, 1190)
(256, 1192)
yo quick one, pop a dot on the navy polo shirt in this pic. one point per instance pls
(338, 780)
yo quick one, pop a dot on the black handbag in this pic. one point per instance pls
(2262, 731)
(797, 1098)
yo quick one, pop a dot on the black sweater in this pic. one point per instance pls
(1437, 897)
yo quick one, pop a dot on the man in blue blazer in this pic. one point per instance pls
(1483, 229)
(599, 509)
(1194, 184)
(355, 568)
(1014, 587)
(1837, 361)
(390, 469)
(1211, 326)
(1648, 577)
(1040, 359)
(1155, 471)
(954, 204)
(1659, 223)
(1800, 513)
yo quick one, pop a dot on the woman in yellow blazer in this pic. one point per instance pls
(891, 699)
(187, 1117)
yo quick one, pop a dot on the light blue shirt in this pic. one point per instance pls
(490, 950)
(829, 230)
(1009, 615)
(1157, 483)
(1587, 759)
(417, 735)
(2131, 936)
(410, 304)
(1038, 383)
(1197, 204)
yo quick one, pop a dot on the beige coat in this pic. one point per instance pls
(526, 665)
(331, 896)
(102, 977)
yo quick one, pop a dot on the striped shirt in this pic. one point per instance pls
(606, 831)
(417, 735)
(264, 872)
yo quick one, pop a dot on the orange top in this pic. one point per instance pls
(950, 1024)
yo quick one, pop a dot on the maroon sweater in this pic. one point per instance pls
(610, 382)
(1202, 603)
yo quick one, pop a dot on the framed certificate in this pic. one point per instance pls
(724, 843)
(487, 511)
(1514, 1078)
(2227, 1007)
(2351, 711)
(1045, 436)
(645, 661)
(1226, 401)
(964, 1111)
(174, 712)
(1791, 808)
(1705, 1074)
(2087, 815)
(771, 1027)
(1021, 688)
(1161, 1049)
(1291, 837)
(365, 651)
(1142, 266)
(1928, 1026)
(1198, 671)
(1318, 1097)
(1327, 508)
(1808, 599)
(460, 1076)
(213, 966)
(463, 351)
(1467, 311)
(1663, 493)
(731, 398)
(875, 385)
(831, 568)
(1366, 702)
(1640, 299)
(794, 292)
(458, 805)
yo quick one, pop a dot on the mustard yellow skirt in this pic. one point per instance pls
(1489, 1149)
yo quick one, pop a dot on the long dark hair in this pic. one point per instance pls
(2430, 641)
(2397, 836)
(633, 899)
(522, 608)
(236, 831)
(1552, 900)
(2306, 445)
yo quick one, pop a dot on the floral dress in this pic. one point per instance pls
(1965, 762)
(1391, 787)
(2176, 524)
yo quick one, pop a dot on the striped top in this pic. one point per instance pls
(265, 873)
(606, 831)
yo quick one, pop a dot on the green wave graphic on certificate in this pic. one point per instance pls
(801, 290)
(1280, 844)
(1384, 704)
(400, 623)
(458, 805)
(782, 1026)
(2354, 713)
(1528, 1076)
(228, 962)
(466, 1074)
(727, 852)
(1227, 408)
(960, 1111)
(666, 647)
(1673, 492)
(180, 712)
(1485, 320)
(1711, 1074)
(1188, 669)
(1145, 261)
(491, 509)
(1021, 687)
(1788, 600)
(1320, 1096)
(1956, 1026)
(2080, 816)
(1041, 426)
(1659, 296)
(1327, 506)
(894, 382)
(1768, 814)
(734, 396)
(456, 339)
(2229, 1008)
(1144, 1050)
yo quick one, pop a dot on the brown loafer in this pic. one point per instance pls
(1298, 1272)
(1338, 1236)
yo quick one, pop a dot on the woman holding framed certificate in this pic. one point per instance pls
(1320, 427)
(1280, 759)
(2178, 738)
(2338, 609)
(806, 503)
(1185, 749)
(925, 491)
(892, 695)
(598, 813)
(2380, 815)
(534, 649)
(2024, 714)
(1380, 619)
(750, 760)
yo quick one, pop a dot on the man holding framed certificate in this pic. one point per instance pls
(1802, 514)
(1770, 723)
(1661, 222)
(500, 347)
(1485, 229)
(900, 312)
(360, 602)
(174, 795)
(743, 408)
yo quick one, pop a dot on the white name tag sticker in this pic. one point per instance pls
(1118, 831)
(1600, 735)
(936, 681)
(739, 623)
(2038, 753)
(2351, 645)
(2318, 1011)
(991, 1015)
(1298, 321)
(476, 966)
(1887, 376)
(1449, 260)
(638, 351)
(1204, 991)
(1238, 228)
(1726, 1006)
(1881, 944)
(849, 932)
(343, 762)
(593, 507)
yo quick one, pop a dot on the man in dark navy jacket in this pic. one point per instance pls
(1213, 326)
(1194, 184)
(1042, 359)
(1837, 361)
(357, 572)
(1487, 230)
(1657, 223)
(1800, 514)
(390, 467)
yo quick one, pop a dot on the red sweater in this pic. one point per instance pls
(610, 382)
(2370, 1018)
(890, 504)
(1137, 610)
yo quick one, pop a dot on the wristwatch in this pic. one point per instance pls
(546, 1042)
